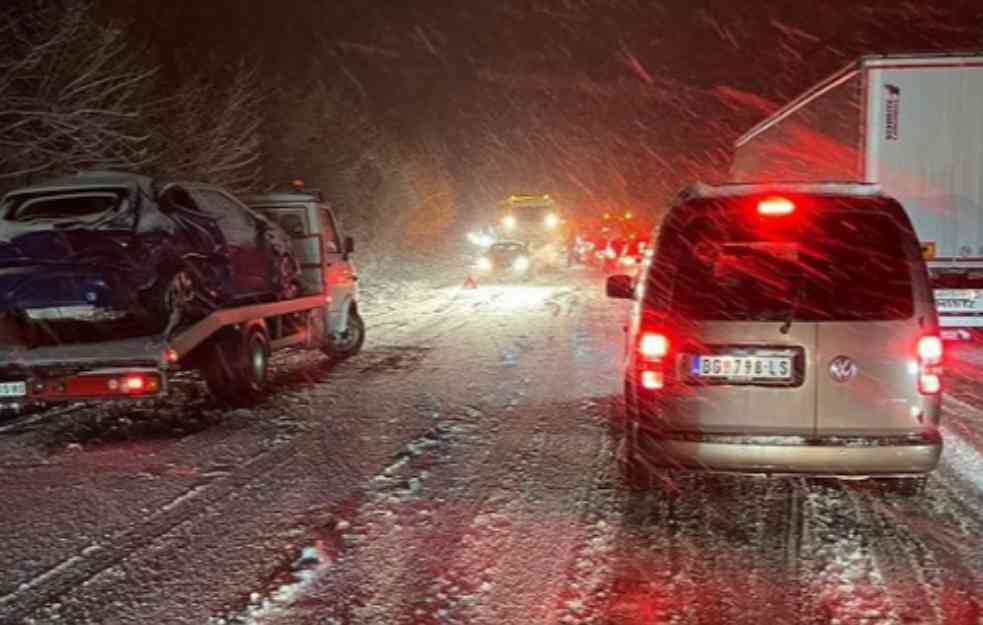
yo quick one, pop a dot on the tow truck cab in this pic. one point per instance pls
(324, 253)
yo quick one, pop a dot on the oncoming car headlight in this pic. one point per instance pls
(484, 263)
(521, 264)
(552, 221)
(509, 222)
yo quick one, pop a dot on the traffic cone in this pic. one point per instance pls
(470, 282)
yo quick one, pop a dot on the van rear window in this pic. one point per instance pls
(833, 266)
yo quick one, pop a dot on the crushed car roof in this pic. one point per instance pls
(88, 180)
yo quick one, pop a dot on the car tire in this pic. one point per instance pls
(237, 365)
(173, 294)
(351, 340)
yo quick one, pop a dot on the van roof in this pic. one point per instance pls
(856, 189)
(283, 197)
(88, 180)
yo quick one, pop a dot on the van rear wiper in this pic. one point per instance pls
(792, 309)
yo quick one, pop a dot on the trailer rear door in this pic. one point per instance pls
(925, 148)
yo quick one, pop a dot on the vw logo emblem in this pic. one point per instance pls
(842, 369)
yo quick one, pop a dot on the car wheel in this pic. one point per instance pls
(172, 299)
(237, 365)
(349, 342)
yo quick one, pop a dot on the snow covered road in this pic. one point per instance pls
(461, 471)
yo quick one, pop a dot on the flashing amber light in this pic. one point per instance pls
(171, 355)
(628, 215)
(775, 207)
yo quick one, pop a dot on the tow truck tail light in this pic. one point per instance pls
(930, 353)
(776, 206)
(102, 385)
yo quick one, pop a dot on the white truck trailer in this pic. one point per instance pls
(912, 124)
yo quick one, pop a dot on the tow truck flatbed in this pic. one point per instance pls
(129, 367)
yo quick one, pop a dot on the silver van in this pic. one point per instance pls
(783, 329)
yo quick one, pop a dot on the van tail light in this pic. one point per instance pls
(930, 350)
(653, 347)
(930, 353)
(652, 380)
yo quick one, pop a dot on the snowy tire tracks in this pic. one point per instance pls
(75, 570)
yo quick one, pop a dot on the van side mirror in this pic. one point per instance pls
(349, 245)
(621, 287)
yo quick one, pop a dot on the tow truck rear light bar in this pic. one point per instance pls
(105, 384)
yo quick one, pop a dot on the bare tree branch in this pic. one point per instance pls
(71, 95)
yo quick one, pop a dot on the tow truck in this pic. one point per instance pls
(231, 347)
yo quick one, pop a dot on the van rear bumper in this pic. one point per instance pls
(888, 459)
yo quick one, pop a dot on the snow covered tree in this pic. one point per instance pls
(211, 132)
(70, 95)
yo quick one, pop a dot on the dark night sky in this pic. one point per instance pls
(608, 97)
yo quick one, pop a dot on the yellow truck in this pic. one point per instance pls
(536, 220)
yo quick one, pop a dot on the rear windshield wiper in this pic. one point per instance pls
(792, 310)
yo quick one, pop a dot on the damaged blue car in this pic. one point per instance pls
(114, 247)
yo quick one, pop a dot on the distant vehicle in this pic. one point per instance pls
(610, 254)
(537, 221)
(783, 329)
(631, 255)
(506, 259)
(230, 346)
(912, 124)
(103, 247)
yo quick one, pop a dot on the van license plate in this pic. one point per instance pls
(13, 389)
(742, 367)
